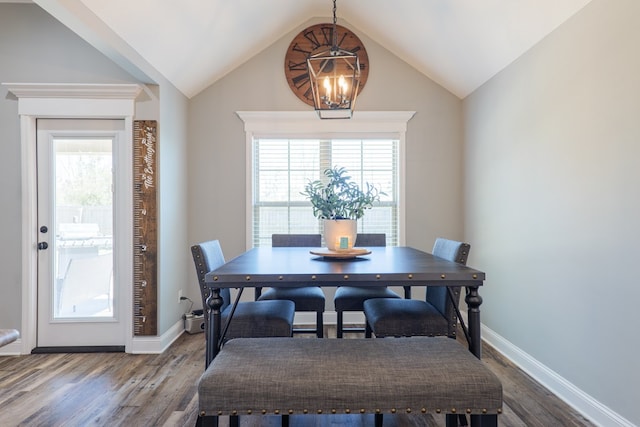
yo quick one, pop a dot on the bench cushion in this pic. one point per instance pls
(384, 375)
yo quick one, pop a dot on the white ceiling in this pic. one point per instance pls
(460, 44)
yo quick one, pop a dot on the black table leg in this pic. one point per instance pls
(214, 303)
(474, 300)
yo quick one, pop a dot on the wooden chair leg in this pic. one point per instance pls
(367, 329)
(451, 420)
(285, 421)
(319, 325)
(234, 421)
(378, 420)
(339, 325)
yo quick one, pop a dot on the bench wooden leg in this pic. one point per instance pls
(484, 420)
(207, 421)
(378, 420)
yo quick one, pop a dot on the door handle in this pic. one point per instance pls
(43, 245)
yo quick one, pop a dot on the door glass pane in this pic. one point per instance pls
(83, 228)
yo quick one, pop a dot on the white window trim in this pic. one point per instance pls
(45, 100)
(306, 124)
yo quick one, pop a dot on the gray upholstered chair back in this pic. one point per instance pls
(296, 240)
(450, 250)
(207, 256)
(364, 240)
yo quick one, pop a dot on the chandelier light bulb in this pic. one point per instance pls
(342, 83)
(327, 86)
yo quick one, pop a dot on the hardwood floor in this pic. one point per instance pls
(117, 389)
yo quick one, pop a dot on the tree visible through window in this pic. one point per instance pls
(282, 167)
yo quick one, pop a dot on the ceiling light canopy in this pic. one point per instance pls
(335, 79)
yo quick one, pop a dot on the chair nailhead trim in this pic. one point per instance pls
(408, 410)
(362, 411)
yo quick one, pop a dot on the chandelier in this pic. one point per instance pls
(335, 79)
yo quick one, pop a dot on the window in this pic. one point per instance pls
(287, 149)
(282, 167)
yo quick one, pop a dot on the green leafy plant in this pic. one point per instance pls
(337, 197)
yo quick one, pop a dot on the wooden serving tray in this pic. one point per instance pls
(343, 254)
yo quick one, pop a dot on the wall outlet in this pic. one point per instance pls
(179, 296)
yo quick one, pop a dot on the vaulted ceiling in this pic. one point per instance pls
(460, 44)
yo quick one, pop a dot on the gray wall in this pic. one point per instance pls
(552, 149)
(217, 155)
(35, 48)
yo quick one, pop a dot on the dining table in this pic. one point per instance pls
(376, 266)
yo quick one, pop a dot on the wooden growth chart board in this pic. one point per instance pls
(145, 230)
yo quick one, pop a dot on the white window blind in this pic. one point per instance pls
(282, 167)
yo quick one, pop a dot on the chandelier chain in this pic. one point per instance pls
(335, 32)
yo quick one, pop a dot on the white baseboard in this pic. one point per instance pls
(139, 345)
(582, 402)
(12, 349)
(157, 344)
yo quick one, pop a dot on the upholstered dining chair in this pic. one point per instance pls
(352, 298)
(252, 319)
(306, 298)
(436, 316)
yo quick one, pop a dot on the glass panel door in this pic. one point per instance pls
(84, 228)
(79, 302)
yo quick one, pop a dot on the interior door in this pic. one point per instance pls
(79, 302)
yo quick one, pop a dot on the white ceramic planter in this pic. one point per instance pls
(340, 234)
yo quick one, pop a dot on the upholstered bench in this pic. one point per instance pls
(8, 336)
(291, 376)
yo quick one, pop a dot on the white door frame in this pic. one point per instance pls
(44, 100)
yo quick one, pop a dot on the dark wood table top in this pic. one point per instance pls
(389, 265)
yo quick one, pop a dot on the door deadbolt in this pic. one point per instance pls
(43, 245)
